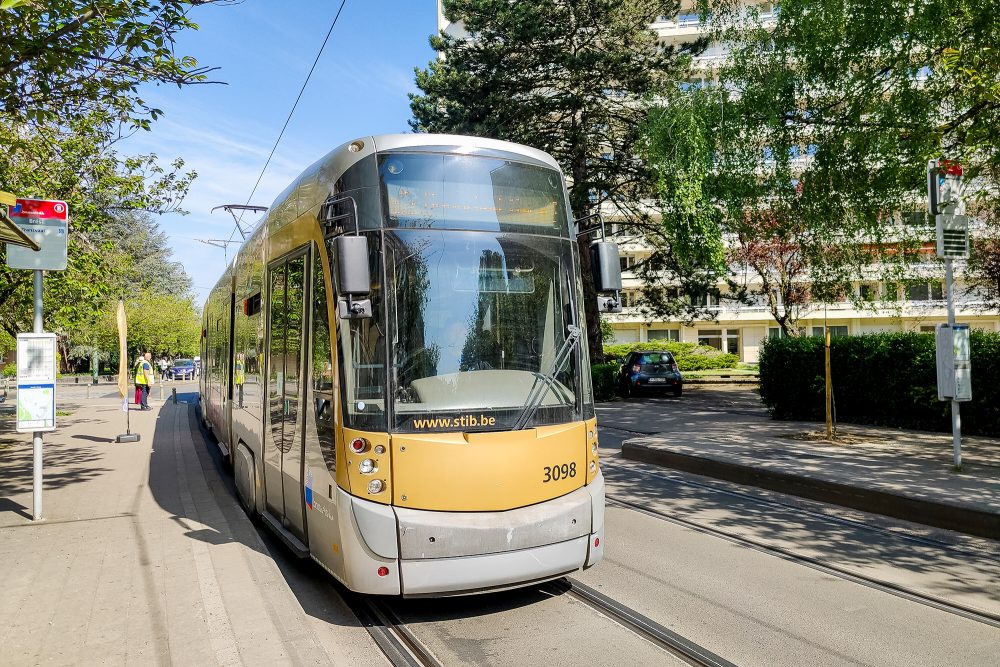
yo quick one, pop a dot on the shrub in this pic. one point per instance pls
(604, 376)
(10, 370)
(689, 356)
(886, 379)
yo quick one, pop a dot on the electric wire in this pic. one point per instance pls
(289, 118)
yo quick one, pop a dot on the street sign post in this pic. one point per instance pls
(944, 201)
(46, 223)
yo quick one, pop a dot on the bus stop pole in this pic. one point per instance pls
(36, 437)
(956, 416)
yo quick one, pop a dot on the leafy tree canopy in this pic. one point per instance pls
(63, 59)
(104, 192)
(566, 76)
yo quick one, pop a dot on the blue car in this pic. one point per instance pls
(182, 369)
(649, 371)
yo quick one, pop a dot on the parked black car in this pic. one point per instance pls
(650, 371)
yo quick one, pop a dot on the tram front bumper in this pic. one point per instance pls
(467, 552)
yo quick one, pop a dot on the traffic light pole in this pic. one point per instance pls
(956, 416)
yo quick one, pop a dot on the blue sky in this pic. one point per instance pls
(264, 49)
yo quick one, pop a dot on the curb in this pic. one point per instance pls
(931, 513)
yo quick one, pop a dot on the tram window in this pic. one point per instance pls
(319, 428)
(361, 346)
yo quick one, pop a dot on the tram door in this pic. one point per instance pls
(283, 445)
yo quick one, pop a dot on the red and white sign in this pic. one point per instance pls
(40, 208)
(47, 223)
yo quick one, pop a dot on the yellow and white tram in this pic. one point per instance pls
(395, 368)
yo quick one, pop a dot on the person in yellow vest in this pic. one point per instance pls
(239, 376)
(144, 378)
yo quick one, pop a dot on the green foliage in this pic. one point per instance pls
(605, 381)
(64, 59)
(10, 370)
(565, 76)
(689, 356)
(867, 97)
(75, 163)
(792, 381)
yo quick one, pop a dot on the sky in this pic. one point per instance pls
(264, 49)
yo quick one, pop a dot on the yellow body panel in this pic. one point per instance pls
(487, 471)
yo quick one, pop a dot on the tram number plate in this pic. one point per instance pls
(562, 471)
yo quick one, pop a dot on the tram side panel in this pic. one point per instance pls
(247, 405)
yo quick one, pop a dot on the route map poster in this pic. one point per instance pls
(36, 382)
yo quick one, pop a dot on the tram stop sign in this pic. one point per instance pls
(46, 222)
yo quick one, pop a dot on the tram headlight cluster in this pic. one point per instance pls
(375, 486)
(366, 467)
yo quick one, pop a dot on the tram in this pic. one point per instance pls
(395, 368)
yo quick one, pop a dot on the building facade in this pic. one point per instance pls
(875, 306)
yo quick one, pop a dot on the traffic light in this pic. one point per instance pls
(944, 186)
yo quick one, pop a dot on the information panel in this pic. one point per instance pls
(47, 223)
(36, 382)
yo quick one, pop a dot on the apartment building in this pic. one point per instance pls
(877, 306)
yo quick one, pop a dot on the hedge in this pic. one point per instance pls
(886, 379)
(689, 356)
(605, 381)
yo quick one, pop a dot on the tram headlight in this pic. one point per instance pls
(375, 486)
(593, 448)
(593, 467)
(366, 467)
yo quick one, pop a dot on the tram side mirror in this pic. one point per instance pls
(353, 277)
(606, 266)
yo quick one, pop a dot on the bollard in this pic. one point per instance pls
(173, 391)
(161, 392)
(88, 392)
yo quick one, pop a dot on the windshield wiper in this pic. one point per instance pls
(543, 382)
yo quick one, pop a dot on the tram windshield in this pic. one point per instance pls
(450, 191)
(478, 322)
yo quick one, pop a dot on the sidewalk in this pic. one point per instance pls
(144, 555)
(904, 474)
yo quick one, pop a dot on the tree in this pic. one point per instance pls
(831, 113)
(566, 76)
(75, 164)
(64, 59)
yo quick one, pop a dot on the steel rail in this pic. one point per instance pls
(390, 634)
(645, 627)
(933, 601)
(632, 467)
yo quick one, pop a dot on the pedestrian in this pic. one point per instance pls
(144, 379)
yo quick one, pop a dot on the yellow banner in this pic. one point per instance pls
(122, 350)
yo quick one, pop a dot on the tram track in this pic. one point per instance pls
(798, 508)
(648, 629)
(399, 645)
(933, 601)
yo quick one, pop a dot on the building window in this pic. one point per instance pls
(927, 328)
(868, 291)
(932, 291)
(726, 341)
(835, 331)
(915, 219)
(774, 332)
(664, 334)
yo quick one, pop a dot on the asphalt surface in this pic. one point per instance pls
(748, 605)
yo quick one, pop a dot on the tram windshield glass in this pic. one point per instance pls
(478, 323)
(449, 191)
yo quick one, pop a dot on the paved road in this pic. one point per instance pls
(153, 561)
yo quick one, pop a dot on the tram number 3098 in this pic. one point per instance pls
(555, 473)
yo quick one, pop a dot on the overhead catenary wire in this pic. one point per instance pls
(289, 118)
